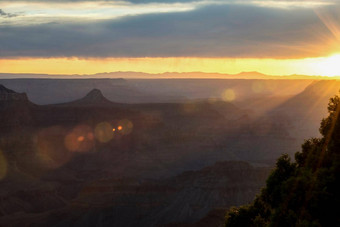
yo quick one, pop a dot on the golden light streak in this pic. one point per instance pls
(330, 20)
(324, 66)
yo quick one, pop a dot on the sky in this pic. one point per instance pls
(281, 37)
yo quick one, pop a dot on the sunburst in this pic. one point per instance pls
(329, 66)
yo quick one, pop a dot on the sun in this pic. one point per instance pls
(329, 66)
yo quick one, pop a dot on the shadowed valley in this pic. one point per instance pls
(147, 157)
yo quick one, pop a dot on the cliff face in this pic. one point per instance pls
(9, 95)
(13, 97)
(14, 110)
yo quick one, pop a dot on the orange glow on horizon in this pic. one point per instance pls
(330, 65)
(323, 66)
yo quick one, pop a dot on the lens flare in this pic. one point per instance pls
(257, 87)
(190, 108)
(49, 147)
(228, 95)
(125, 126)
(103, 132)
(80, 139)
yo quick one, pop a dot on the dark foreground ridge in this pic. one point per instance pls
(304, 192)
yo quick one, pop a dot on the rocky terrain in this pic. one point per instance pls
(129, 202)
(10, 95)
(100, 162)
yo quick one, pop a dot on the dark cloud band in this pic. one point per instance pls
(214, 31)
(7, 15)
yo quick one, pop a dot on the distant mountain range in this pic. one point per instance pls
(49, 91)
(166, 75)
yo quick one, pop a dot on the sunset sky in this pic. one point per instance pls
(154, 36)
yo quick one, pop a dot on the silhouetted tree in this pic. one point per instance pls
(304, 193)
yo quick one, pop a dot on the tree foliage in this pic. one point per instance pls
(304, 192)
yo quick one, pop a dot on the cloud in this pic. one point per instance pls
(256, 2)
(7, 15)
(299, 2)
(210, 31)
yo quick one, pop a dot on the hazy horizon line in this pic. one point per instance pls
(163, 75)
